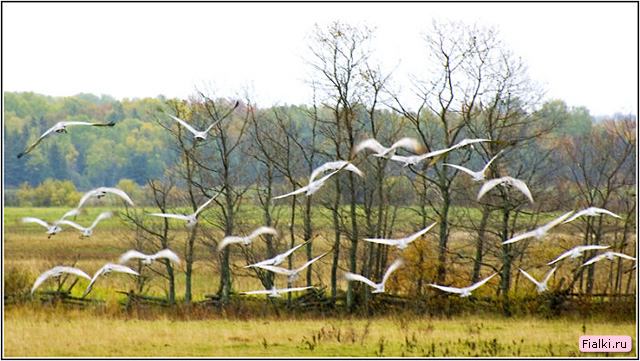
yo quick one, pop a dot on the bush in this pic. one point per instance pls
(50, 193)
(17, 282)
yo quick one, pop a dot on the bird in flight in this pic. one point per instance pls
(88, 231)
(101, 192)
(246, 240)
(576, 252)
(377, 287)
(54, 227)
(401, 243)
(292, 274)
(539, 232)
(542, 285)
(60, 127)
(463, 292)
(505, 181)
(192, 218)
(57, 272)
(106, 269)
(149, 258)
(415, 159)
(380, 151)
(275, 292)
(202, 135)
(278, 259)
(477, 176)
(608, 255)
(591, 212)
(315, 184)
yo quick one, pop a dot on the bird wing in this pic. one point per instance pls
(588, 248)
(229, 240)
(266, 262)
(421, 232)
(605, 211)
(86, 196)
(297, 191)
(206, 204)
(447, 289)
(622, 255)
(72, 224)
(309, 262)
(557, 221)
(404, 159)
(480, 283)
(293, 289)
(34, 144)
(73, 212)
(338, 164)
(258, 292)
(356, 277)
(170, 215)
(549, 274)
(394, 266)
(35, 220)
(488, 185)
(287, 253)
(560, 257)
(131, 254)
(372, 144)
(75, 271)
(120, 268)
(67, 124)
(212, 125)
(530, 277)
(576, 215)
(595, 259)
(276, 269)
(102, 216)
(119, 193)
(522, 187)
(520, 237)
(390, 242)
(466, 170)
(263, 230)
(168, 254)
(43, 277)
(486, 166)
(409, 144)
(185, 124)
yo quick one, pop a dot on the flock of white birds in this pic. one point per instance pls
(315, 183)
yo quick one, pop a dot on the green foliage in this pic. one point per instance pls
(50, 193)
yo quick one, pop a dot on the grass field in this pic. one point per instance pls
(68, 333)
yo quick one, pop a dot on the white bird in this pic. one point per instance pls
(377, 287)
(540, 286)
(477, 176)
(107, 268)
(202, 135)
(380, 151)
(147, 259)
(506, 181)
(539, 232)
(608, 255)
(61, 127)
(101, 192)
(314, 185)
(335, 165)
(415, 159)
(401, 243)
(274, 261)
(57, 272)
(87, 232)
(463, 292)
(54, 227)
(192, 218)
(247, 239)
(292, 274)
(576, 252)
(275, 292)
(591, 212)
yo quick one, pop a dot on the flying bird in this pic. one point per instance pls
(292, 274)
(463, 292)
(54, 227)
(315, 184)
(148, 259)
(539, 232)
(540, 286)
(278, 258)
(401, 243)
(202, 135)
(415, 159)
(380, 151)
(87, 232)
(275, 292)
(477, 176)
(192, 218)
(108, 268)
(576, 252)
(247, 239)
(57, 272)
(591, 212)
(101, 192)
(608, 255)
(377, 287)
(61, 127)
(506, 181)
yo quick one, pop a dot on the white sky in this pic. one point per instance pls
(585, 54)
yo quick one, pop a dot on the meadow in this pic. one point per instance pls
(106, 329)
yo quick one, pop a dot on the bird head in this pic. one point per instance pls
(192, 221)
(200, 136)
(87, 233)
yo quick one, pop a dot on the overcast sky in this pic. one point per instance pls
(585, 54)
